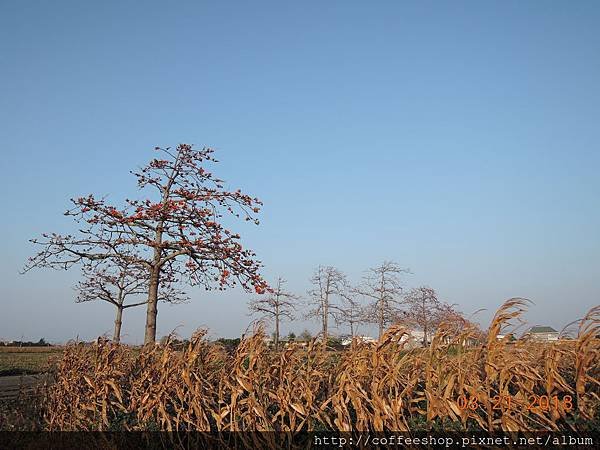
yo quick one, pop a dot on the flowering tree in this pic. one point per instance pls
(426, 311)
(175, 229)
(123, 285)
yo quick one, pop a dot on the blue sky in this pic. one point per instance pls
(459, 139)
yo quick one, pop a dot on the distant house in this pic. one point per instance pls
(364, 339)
(416, 338)
(509, 337)
(413, 339)
(542, 334)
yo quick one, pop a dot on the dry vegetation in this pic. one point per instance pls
(380, 387)
(377, 388)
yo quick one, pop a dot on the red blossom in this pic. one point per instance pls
(181, 221)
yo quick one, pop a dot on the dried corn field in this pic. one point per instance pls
(382, 387)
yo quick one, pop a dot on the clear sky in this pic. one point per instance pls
(460, 139)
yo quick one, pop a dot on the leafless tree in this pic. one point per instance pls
(327, 282)
(425, 310)
(383, 287)
(277, 304)
(351, 312)
(118, 282)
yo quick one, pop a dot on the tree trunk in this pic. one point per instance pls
(276, 332)
(425, 319)
(152, 309)
(325, 317)
(118, 322)
(381, 318)
(381, 305)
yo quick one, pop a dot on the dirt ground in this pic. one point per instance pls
(11, 386)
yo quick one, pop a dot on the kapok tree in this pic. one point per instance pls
(277, 305)
(382, 285)
(350, 310)
(177, 228)
(328, 282)
(425, 310)
(456, 323)
(124, 285)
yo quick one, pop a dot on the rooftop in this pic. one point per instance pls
(540, 329)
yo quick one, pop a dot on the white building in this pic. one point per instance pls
(542, 334)
(364, 339)
(414, 338)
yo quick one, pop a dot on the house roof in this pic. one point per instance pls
(539, 329)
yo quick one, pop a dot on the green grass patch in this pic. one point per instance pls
(27, 360)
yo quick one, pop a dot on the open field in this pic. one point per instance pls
(491, 386)
(27, 360)
(452, 385)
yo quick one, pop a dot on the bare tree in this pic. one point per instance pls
(117, 282)
(425, 310)
(382, 285)
(277, 305)
(327, 282)
(456, 321)
(175, 229)
(350, 311)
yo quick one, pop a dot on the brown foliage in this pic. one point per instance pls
(367, 387)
